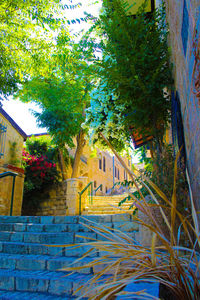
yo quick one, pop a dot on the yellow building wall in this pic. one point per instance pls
(89, 167)
(136, 4)
(12, 135)
(100, 176)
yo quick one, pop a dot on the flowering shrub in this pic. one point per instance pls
(39, 170)
(39, 160)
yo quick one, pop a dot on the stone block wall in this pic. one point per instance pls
(184, 40)
(63, 198)
(54, 201)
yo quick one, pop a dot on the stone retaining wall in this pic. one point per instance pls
(63, 199)
(54, 203)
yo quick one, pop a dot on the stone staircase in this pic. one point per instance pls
(31, 260)
(104, 205)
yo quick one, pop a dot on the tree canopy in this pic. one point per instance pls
(134, 71)
(121, 88)
(63, 93)
(25, 36)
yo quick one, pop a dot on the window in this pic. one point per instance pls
(106, 189)
(100, 164)
(125, 175)
(104, 164)
(116, 173)
(101, 187)
(3, 130)
(95, 184)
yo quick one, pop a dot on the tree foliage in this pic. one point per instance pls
(63, 93)
(25, 36)
(134, 72)
(104, 115)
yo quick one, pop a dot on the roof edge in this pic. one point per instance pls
(13, 123)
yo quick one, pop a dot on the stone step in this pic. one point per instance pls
(48, 238)
(52, 228)
(39, 249)
(111, 197)
(53, 264)
(107, 210)
(53, 283)
(31, 258)
(103, 212)
(54, 219)
(40, 219)
(41, 263)
(109, 202)
(125, 217)
(110, 206)
(14, 295)
(49, 228)
(114, 197)
(41, 237)
(151, 288)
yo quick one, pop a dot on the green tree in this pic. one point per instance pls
(63, 94)
(134, 73)
(105, 115)
(26, 34)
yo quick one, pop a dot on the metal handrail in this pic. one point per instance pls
(5, 174)
(112, 188)
(90, 184)
(97, 188)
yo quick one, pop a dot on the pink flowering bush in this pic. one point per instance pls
(40, 172)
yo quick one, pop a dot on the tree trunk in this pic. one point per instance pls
(151, 149)
(62, 165)
(79, 150)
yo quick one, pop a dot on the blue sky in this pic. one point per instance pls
(21, 114)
